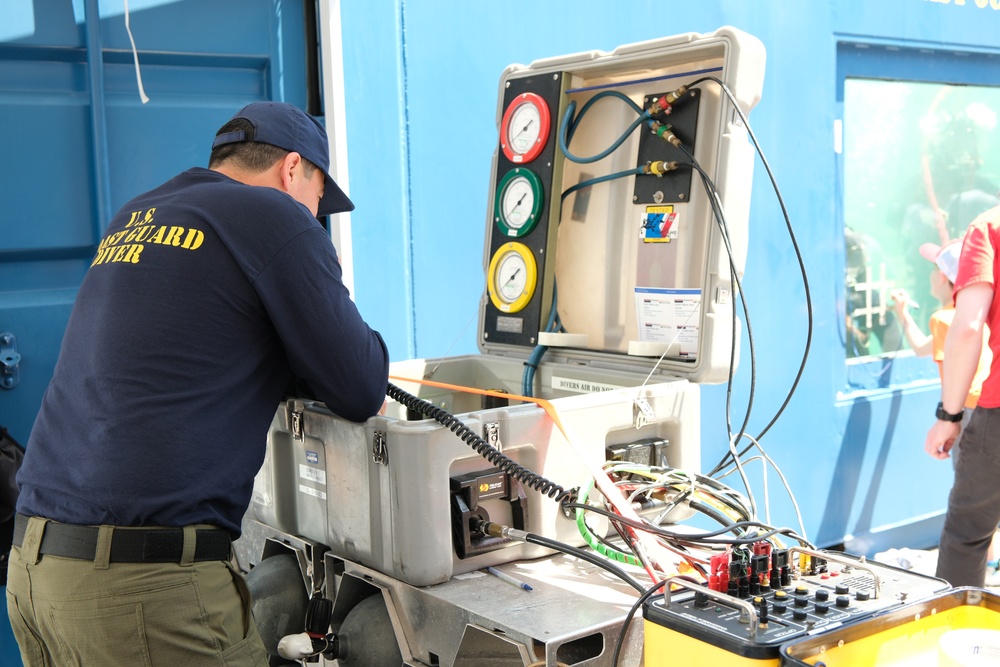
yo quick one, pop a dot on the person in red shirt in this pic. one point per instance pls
(974, 502)
(945, 260)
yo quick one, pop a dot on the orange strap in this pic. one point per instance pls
(540, 402)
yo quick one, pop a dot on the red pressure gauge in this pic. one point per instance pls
(524, 128)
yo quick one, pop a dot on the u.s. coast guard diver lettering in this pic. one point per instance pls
(127, 245)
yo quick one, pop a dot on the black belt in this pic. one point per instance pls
(128, 545)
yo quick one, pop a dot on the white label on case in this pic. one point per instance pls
(309, 491)
(312, 474)
(581, 386)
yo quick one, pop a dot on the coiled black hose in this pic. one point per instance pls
(483, 448)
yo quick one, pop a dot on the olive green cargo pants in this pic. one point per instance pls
(67, 612)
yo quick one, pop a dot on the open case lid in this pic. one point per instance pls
(602, 242)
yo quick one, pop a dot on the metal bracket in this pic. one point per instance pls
(10, 376)
(380, 452)
(837, 558)
(295, 424)
(748, 614)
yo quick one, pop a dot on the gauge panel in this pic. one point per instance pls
(524, 209)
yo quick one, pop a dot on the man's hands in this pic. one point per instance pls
(941, 437)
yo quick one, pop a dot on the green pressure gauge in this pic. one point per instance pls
(513, 275)
(518, 202)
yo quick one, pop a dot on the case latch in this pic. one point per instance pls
(10, 375)
(493, 435)
(642, 413)
(380, 452)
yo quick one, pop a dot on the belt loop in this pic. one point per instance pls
(32, 541)
(102, 554)
(190, 543)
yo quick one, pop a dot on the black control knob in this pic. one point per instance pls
(779, 607)
(843, 601)
(842, 589)
(801, 601)
(862, 596)
(822, 607)
(822, 594)
(799, 614)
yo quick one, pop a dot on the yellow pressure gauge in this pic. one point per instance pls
(512, 277)
(518, 202)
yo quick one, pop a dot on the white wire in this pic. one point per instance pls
(743, 476)
(795, 504)
(444, 356)
(680, 479)
(135, 57)
(680, 328)
(767, 505)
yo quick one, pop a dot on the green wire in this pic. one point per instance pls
(593, 542)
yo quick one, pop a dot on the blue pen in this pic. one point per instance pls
(509, 579)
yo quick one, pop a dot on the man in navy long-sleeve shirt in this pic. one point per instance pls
(206, 295)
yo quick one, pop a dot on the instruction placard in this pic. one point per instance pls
(669, 316)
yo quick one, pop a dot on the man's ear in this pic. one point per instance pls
(288, 171)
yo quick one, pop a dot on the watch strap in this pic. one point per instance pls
(944, 415)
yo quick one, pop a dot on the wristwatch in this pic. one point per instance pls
(944, 415)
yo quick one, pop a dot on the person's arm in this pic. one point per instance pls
(962, 348)
(920, 343)
(327, 342)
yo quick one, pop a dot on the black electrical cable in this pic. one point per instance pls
(680, 548)
(483, 448)
(604, 540)
(723, 492)
(712, 513)
(724, 231)
(628, 619)
(798, 256)
(702, 537)
(588, 556)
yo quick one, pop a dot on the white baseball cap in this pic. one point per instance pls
(945, 258)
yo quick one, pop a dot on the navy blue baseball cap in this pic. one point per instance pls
(286, 126)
